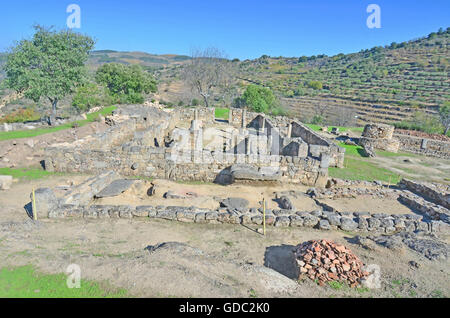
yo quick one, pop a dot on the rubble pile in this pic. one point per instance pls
(324, 261)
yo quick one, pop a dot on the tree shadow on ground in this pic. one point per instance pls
(281, 259)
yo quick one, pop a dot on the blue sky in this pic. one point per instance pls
(243, 29)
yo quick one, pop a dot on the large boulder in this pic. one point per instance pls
(347, 224)
(285, 203)
(115, 188)
(44, 202)
(238, 204)
(83, 193)
(248, 172)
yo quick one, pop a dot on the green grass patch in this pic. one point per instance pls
(358, 169)
(336, 285)
(351, 150)
(357, 151)
(437, 294)
(27, 173)
(25, 282)
(222, 113)
(7, 135)
(252, 293)
(387, 154)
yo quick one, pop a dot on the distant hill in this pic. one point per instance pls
(382, 84)
(150, 61)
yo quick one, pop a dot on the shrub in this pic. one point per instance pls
(315, 85)
(20, 116)
(317, 120)
(88, 96)
(279, 111)
(422, 121)
(289, 93)
(300, 91)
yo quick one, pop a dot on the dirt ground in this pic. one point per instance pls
(222, 260)
(418, 167)
(208, 196)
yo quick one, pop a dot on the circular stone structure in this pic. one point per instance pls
(379, 136)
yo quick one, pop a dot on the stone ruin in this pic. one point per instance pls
(379, 136)
(145, 141)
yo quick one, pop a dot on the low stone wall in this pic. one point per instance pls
(423, 146)
(391, 145)
(437, 193)
(37, 124)
(346, 221)
(430, 210)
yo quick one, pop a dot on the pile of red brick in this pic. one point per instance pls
(327, 261)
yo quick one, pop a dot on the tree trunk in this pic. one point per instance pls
(446, 130)
(52, 119)
(205, 98)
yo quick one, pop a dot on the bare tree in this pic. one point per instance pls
(206, 71)
(228, 83)
(320, 113)
(345, 116)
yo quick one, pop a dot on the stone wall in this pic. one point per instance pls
(142, 141)
(423, 146)
(430, 210)
(355, 222)
(437, 193)
(186, 114)
(189, 166)
(282, 122)
(318, 146)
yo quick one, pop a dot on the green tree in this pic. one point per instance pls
(50, 65)
(126, 82)
(259, 99)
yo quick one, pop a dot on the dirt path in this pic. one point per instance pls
(418, 167)
(223, 260)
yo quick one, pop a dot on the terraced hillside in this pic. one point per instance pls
(383, 84)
